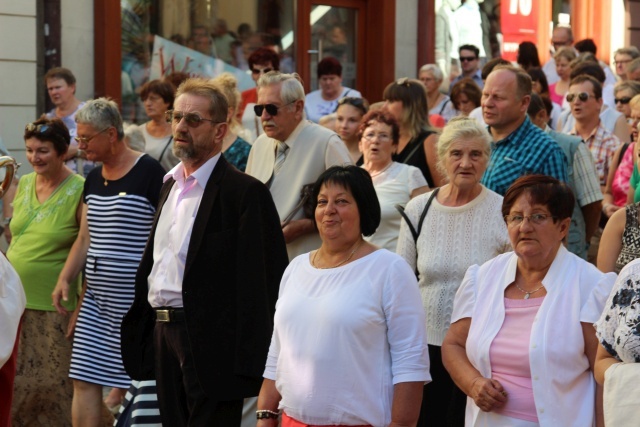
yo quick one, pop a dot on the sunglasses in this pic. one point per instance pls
(272, 109)
(582, 96)
(41, 128)
(263, 71)
(193, 120)
(623, 101)
(467, 58)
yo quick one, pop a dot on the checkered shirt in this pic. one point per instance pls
(602, 144)
(527, 150)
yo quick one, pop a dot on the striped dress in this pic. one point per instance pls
(120, 214)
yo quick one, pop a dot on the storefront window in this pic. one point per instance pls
(199, 38)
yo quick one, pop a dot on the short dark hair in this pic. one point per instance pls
(539, 103)
(262, 55)
(537, 75)
(162, 88)
(49, 130)
(590, 68)
(470, 47)
(586, 45)
(528, 55)
(329, 66)
(358, 182)
(541, 190)
(490, 65)
(469, 88)
(381, 116)
(60, 73)
(597, 87)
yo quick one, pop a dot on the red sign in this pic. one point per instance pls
(519, 23)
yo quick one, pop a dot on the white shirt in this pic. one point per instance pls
(316, 107)
(173, 233)
(563, 384)
(343, 337)
(12, 304)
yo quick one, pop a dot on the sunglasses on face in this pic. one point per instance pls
(193, 120)
(263, 71)
(623, 101)
(272, 109)
(582, 96)
(467, 58)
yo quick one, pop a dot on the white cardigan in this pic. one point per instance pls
(563, 385)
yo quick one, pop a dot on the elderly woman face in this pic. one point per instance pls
(430, 82)
(465, 162)
(533, 231)
(377, 144)
(337, 215)
(43, 156)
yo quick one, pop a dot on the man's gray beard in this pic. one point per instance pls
(183, 152)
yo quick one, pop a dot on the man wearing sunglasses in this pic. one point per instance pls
(291, 153)
(585, 98)
(207, 283)
(470, 65)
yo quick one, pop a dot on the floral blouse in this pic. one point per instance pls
(618, 329)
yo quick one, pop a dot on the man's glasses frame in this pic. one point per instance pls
(272, 109)
(193, 120)
(582, 96)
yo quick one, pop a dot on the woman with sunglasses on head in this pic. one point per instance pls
(46, 220)
(406, 100)
(119, 205)
(234, 147)
(522, 344)
(395, 183)
(348, 117)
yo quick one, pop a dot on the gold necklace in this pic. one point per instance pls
(373, 175)
(526, 293)
(313, 260)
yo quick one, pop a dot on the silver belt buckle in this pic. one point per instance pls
(163, 316)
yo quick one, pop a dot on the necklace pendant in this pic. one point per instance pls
(106, 182)
(527, 295)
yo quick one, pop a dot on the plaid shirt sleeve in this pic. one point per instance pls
(585, 177)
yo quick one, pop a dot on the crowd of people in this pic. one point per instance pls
(276, 257)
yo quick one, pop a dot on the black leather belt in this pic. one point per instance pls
(169, 315)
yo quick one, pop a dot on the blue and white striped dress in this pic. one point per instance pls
(120, 216)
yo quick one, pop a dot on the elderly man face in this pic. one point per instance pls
(561, 37)
(286, 118)
(502, 104)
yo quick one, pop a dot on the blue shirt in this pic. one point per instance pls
(476, 77)
(527, 150)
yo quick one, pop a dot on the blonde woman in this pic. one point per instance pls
(563, 58)
(235, 148)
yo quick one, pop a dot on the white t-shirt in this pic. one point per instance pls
(12, 304)
(315, 107)
(451, 240)
(393, 187)
(343, 337)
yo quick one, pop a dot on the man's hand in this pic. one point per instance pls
(296, 229)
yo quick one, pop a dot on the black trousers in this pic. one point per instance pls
(182, 400)
(443, 403)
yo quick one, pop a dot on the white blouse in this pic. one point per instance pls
(343, 337)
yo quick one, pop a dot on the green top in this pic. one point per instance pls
(42, 238)
(634, 182)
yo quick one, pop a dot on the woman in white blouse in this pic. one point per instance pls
(522, 344)
(395, 183)
(349, 344)
(463, 226)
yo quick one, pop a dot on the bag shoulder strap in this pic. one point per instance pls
(165, 148)
(416, 232)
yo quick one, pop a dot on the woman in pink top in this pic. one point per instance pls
(563, 57)
(527, 357)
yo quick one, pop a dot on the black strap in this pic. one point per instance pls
(622, 151)
(444, 105)
(416, 233)
(165, 148)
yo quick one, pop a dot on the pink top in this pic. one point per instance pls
(620, 184)
(555, 97)
(509, 356)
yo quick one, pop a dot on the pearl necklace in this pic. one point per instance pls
(527, 294)
(313, 260)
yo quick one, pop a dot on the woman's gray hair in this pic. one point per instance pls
(133, 137)
(433, 69)
(291, 89)
(101, 113)
(461, 128)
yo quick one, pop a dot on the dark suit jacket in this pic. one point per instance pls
(234, 264)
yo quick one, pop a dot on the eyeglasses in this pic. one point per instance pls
(272, 109)
(193, 120)
(41, 128)
(623, 101)
(263, 71)
(622, 62)
(582, 96)
(536, 219)
(467, 58)
(382, 137)
(83, 140)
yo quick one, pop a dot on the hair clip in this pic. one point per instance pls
(404, 81)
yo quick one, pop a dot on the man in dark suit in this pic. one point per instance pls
(206, 288)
